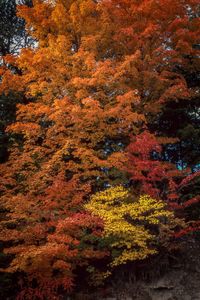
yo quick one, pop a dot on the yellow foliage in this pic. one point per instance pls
(127, 222)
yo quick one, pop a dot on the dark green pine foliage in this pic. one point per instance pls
(181, 120)
(13, 37)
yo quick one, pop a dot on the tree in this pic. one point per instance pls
(160, 178)
(132, 228)
(13, 38)
(165, 73)
(70, 116)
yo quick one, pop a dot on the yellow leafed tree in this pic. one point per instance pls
(131, 227)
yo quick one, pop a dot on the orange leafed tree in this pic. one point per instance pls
(71, 110)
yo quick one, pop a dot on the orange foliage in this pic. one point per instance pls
(101, 70)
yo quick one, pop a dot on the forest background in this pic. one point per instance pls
(100, 139)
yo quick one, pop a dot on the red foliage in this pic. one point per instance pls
(151, 175)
